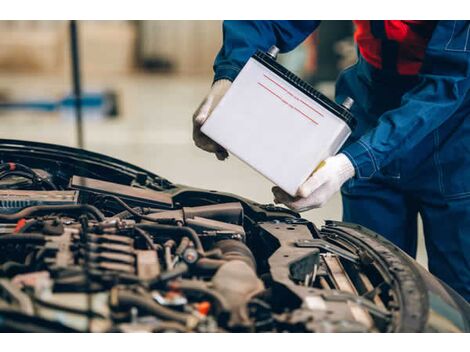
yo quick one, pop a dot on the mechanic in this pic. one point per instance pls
(410, 150)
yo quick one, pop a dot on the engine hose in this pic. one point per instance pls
(38, 209)
(214, 253)
(20, 238)
(175, 230)
(167, 228)
(10, 269)
(147, 238)
(168, 245)
(129, 299)
(14, 169)
(16, 173)
(33, 177)
(28, 226)
(209, 264)
(8, 325)
(13, 320)
(110, 278)
(180, 269)
(130, 209)
(123, 215)
(126, 214)
(184, 243)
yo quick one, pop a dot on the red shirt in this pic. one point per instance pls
(394, 45)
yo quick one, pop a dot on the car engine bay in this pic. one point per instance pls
(89, 243)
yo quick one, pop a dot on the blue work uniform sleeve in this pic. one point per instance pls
(241, 39)
(444, 84)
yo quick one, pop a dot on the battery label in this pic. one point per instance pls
(283, 99)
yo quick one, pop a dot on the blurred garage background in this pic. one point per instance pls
(142, 80)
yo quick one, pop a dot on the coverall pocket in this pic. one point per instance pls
(460, 37)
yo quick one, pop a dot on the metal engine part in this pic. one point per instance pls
(125, 250)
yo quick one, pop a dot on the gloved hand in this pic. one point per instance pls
(320, 186)
(218, 90)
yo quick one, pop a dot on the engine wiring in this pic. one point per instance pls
(100, 262)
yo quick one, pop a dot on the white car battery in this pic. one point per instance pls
(277, 123)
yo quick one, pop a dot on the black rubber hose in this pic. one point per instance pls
(140, 210)
(16, 167)
(126, 214)
(16, 173)
(179, 270)
(10, 269)
(8, 325)
(109, 277)
(6, 166)
(129, 299)
(175, 230)
(146, 237)
(123, 215)
(167, 228)
(214, 253)
(20, 238)
(161, 280)
(38, 209)
(210, 264)
(130, 209)
(10, 169)
(12, 320)
(28, 225)
(34, 178)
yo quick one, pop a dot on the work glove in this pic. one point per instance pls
(218, 90)
(325, 181)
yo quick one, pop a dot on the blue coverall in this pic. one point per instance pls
(411, 148)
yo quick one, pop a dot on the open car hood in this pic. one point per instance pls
(92, 243)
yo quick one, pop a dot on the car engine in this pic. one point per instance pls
(93, 244)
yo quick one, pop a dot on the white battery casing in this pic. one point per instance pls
(274, 127)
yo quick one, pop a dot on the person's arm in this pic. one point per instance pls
(445, 83)
(241, 39)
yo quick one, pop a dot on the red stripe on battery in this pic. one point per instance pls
(292, 95)
(287, 103)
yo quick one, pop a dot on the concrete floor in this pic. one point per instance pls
(153, 131)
